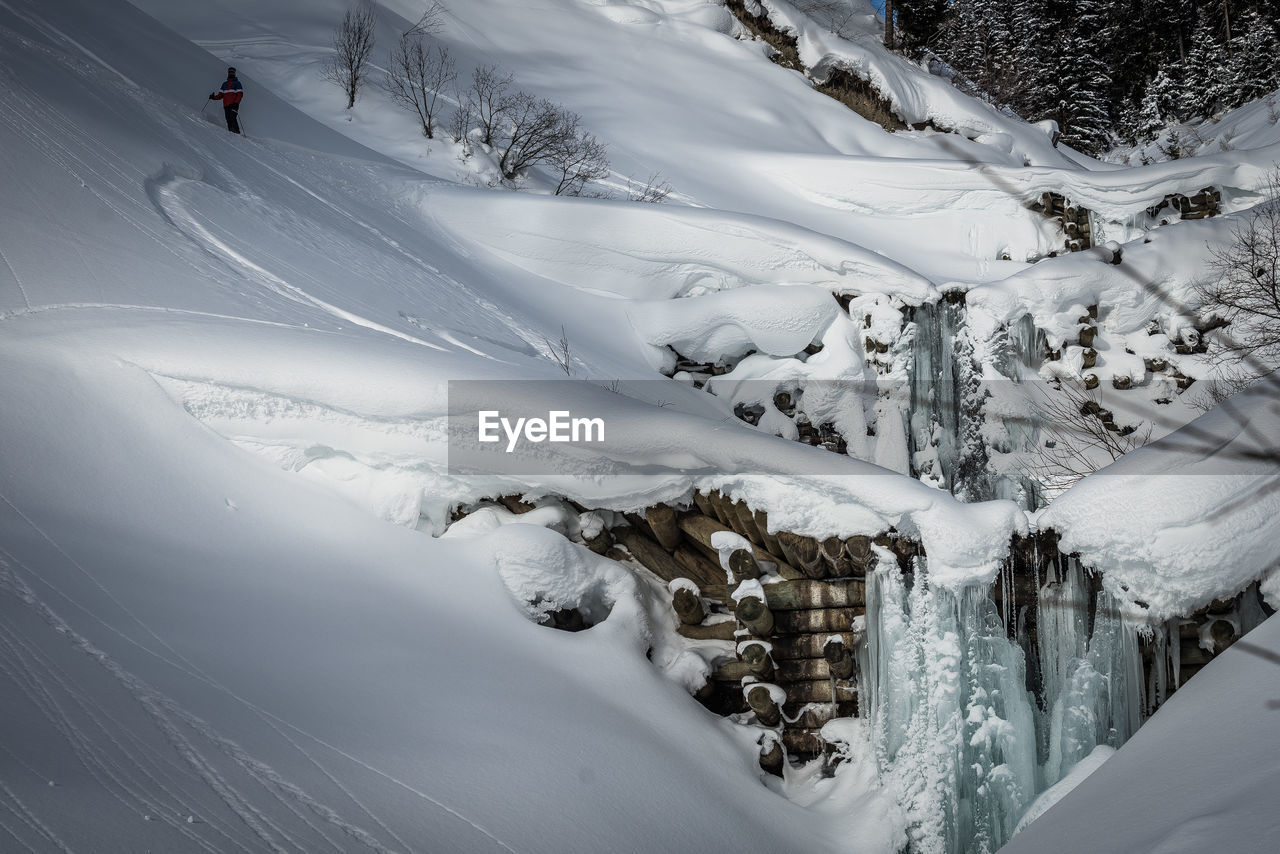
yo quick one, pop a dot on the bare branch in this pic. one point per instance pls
(490, 100)
(416, 78)
(431, 22)
(655, 190)
(352, 47)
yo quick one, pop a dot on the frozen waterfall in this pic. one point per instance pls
(960, 737)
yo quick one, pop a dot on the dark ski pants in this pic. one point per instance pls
(233, 121)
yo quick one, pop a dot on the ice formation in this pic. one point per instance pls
(963, 740)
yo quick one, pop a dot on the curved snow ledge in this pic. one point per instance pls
(635, 250)
(1185, 520)
(774, 319)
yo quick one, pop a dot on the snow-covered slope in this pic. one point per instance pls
(204, 652)
(226, 387)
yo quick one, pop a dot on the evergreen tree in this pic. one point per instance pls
(1083, 109)
(1204, 74)
(1159, 106)
(918, 23)
(1254, 71)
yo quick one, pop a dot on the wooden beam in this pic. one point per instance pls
(803, 646)
(653, 556)
(722, 631)
(818, 691)
(662, 521)
(700, 568)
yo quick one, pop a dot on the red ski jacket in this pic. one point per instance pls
(230, 93)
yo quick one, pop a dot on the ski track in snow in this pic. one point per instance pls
(16, 279)
(180, 728)
(163, 712)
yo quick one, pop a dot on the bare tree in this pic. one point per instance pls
(839, 16)
(655, 190)
(1078, 436)
(431, 22)
(1246, 288)
(578, 159)
(352, 47)
(535, 129)
(417, 77)
(560, 352)
(490, 100)
(460, 122)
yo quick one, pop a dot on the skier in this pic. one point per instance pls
(230, 94)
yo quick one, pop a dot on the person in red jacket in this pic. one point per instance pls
(230, 94)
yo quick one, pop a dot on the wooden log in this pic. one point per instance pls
(858, 550)
(742, 526)
(784, 547)
(756, 657)
(1087, 335)
(721, 505)
(731, 671)
(651, 555)
(803, 670)
(662, 520)
(816, 620)
(760, 700)
(770, 540)
(804, 594)
(722, 631)
(747, 519)
(756, 616)
(600, 543)
(819, 691)
(640, 524)
(742, 564)
(1089, 358)
(838, 563)
(703, 503)
(804, 742)
(698, 530)
(804, 554)
(711, 500)
(806, 645)
(772, 757)
(701, 569)
(514, 504)
(840, 659)
(688, 606)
